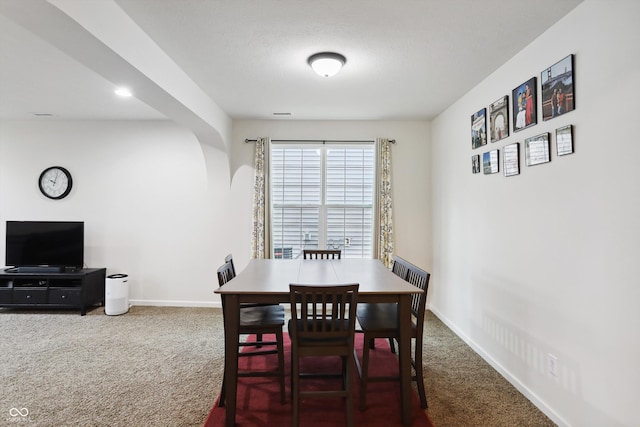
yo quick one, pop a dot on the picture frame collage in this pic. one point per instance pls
(521, 112)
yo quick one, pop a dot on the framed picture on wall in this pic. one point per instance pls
(511, 159)
(499, 119)
(564, 140)
(490, 162)
(523, 102)
(475, 163)
(536, 149)
(479, 129)
(557, 89)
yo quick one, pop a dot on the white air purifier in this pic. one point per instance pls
(116, 294)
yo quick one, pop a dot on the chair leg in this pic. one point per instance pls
(295, 388)
(365, 372)
(348, 363)
(280, 346)
(419, 374)
(259, 340)
(221, 401)
(291, 375)
(392, 345)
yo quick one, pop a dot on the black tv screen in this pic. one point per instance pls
(45, 243)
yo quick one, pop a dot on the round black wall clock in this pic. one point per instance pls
(55, 182)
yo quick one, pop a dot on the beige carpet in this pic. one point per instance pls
(162, 366)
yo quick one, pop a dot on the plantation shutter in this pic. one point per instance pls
(322, 197)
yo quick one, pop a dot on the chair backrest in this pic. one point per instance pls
(225, 273)
(229, 259)
(322, 253)
(400, 267)
(420, 278)
(323, 312)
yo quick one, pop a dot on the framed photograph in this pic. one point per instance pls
(499, 119)
(564, 140)
(475, 164)
(479, 128)
(557, 89)
(490, 162)
(536, 149)
(523, 101)
(511, 159)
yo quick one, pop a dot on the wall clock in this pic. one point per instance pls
(55, 182)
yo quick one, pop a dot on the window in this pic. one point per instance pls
(322, 196)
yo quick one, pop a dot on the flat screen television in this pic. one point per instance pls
(45, 244)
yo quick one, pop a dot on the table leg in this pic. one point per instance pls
(231, 327)
(404, 353)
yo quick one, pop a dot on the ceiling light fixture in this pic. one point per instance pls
(123, 91)
(326, 64)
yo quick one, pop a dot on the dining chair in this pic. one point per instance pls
(381, 321)
(322, 324)
(229, 259)
(322, 253)
(258, 320)
(399, 268)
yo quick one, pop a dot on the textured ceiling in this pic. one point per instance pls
(405, 59)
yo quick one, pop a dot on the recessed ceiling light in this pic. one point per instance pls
(123, 91)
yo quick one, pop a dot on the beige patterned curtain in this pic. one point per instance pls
(260, 235)
(385, 246)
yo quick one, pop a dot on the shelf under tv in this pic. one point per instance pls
(80, 289)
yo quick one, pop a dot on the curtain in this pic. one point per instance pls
(260, 235)
(384, 247)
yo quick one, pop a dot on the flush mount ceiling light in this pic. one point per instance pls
(326, 64)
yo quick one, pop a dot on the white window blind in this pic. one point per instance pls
(322, 197)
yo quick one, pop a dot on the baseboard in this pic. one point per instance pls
(539, 403)
(179, 303)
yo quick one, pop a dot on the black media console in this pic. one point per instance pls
(80, 289)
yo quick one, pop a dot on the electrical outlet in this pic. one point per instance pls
(347, 241)
(552, 365)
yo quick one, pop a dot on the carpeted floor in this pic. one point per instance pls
(162, 366)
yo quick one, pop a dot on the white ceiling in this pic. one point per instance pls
(406, 59)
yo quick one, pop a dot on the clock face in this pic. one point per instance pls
(55, 182)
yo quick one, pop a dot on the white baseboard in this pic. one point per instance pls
(180, 303)
(540, 404)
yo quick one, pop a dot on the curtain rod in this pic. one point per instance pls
(246, 141)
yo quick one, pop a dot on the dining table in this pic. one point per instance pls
(267, 281)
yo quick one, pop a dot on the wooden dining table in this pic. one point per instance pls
(267, 281)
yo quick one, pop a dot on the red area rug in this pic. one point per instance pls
(259, 398)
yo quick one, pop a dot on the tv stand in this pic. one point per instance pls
(78, 289)
(43, 270)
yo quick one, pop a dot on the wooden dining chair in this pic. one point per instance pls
(399, 268)
(258, 320)
(381, 321)
(229, 260)
(322, 253)
(322, 324)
